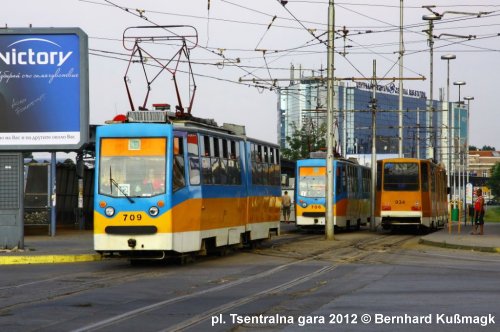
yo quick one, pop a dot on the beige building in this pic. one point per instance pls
(481, 162)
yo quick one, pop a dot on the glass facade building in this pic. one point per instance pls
(304, 103)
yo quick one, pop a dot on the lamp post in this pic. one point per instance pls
(467, 142)
(434, 16)
(448, 57)
(459, 84)
(431, 18)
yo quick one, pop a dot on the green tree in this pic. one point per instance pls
(488, 148)
(472, 148)
(305, 140)
(494, 180)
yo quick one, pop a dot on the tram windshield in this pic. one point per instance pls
(132, 167)
(312, 186)
(401, 176)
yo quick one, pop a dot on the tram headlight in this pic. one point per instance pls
(153, 211)
(304, 204)
(109, 211)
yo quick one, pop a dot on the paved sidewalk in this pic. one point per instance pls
(68, 246)
(489, 242)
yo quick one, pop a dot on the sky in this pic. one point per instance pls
(245, 50)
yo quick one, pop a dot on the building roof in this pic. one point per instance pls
(485, 153)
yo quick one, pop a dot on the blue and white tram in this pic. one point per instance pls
(351, 193)
(182, 187)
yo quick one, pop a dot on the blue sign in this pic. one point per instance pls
(43, 89)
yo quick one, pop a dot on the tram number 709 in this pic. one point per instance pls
(132, 217)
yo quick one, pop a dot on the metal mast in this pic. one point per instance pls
(330, 139)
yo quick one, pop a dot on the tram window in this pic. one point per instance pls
(179, 180)
(379, 175)
(277, 157)
(425, 176)
(266, 154)
(271, 156)
(218, 168)
(205, 151)
(235, 153)
(341, 179)
(216, 147)
(258, 158)
(401, 177)
(265, 174)
(192, 144)
(368, 183)
(206, 170)
(194, 171)
(194, 161)
(225, 153)
(233, 172)
(433, 179)
(178, 146)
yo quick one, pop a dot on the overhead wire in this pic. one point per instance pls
(303, 48)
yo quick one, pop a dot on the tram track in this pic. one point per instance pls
(314, 262)
(62, 286)
(361, 248)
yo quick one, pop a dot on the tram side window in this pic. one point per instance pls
(178, 168)
(338, 180)
(367, 180)
(233, 164)
(425, 177)
(379, 175)
(218, 164)
(433, 179)
(354, 177)
(206, 164)
(221, 161)
(194, 160)
(265, 165)
(341, 179)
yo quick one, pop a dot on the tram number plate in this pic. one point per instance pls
(132, 216)
(399, 201)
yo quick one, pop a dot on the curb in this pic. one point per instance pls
(459, 246)
(49, 259)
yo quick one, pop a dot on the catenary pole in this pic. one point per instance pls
(401, 51)
(329, 233)
(373, 105)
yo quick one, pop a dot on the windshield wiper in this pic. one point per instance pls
(112, 181)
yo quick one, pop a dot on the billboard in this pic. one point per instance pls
(43, 89)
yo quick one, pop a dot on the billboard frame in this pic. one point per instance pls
(53, 143)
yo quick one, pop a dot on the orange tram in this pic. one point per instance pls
(411, 192)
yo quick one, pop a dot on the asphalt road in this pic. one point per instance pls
(362, 281)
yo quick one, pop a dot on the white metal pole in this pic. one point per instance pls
(329, 232)
(374, 149)
(401, 51)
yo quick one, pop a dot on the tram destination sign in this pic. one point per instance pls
(43, 89)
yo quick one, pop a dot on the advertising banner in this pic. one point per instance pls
(43, 89)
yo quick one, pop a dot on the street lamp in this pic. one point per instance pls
(467, 143)
(448, 57)
(431, 18)
(459, 83)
